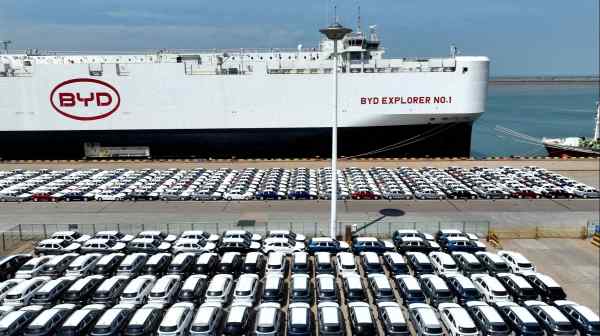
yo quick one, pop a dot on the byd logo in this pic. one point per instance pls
(85, 99)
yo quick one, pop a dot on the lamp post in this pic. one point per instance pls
(335, 32)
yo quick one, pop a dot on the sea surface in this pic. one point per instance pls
(536, 110)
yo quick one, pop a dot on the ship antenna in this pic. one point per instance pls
(358, 29)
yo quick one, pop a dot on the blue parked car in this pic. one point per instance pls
(267, 195)
(370, 244)
(460, 244)
(325, 244)
(301, 195)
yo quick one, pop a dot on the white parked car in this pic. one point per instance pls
(457, 321)
(490, 287)
(443, 263)
(516, 261)
(284, 245)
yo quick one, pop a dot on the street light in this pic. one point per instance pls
(335, 32)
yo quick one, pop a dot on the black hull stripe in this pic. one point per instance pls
(454, 141)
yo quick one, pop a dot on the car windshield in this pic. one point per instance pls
(242, 293)
(533, 327)
(467, 329)
(499, 293)
(26, 268)
(433, 330)
(214, 293)
(501, 267)
(499, 327)
(170, 328)
(525, 265)
(157, 294)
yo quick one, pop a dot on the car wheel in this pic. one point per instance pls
(505, 197)
(584, 196)
(455, 197)
(34, 199)
(472, 197)
(229, 198)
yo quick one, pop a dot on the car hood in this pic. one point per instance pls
(255, 245)
(127, 238)
(388, 244)
(83, 238)
(210, 246)
(256, 237)
(164, 246)
(73, 247)
(214, 238)
(119, 246)
(300, 237)
(300, 245)
(344, 245)
(171, 238)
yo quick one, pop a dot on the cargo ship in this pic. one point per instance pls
(576, 146)
(242, 103)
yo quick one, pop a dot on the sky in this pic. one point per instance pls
(522, 37)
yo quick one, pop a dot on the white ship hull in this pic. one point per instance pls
(46, 97)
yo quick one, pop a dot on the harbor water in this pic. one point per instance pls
(537, 110)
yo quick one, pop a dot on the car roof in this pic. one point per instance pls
(427, 313)
(362, 312)
(586, 312)
(491, 314)
(109, 283)
(323, 257)
(228, 257)
(266, 316)
(218, 282)
(346, 258)
(365, 239)
(108, 317)
(79, 261)
(548, 281)
(371, 257)
(394, 313)
(461, 316)
(141, 315)
(134, 285)
(173, 315)
(205, 257)
(45, 316)
(463, 281)
(380, 280)
(246, 282)
(204, 315)
(435, 280)
(410, 281)
(161, 284)
(252, 257)
(327, 281)
(192, 280)
(299, 314)
(77, 317)
(322, 239)
(523, 314)
(11, 317)
(395, 257)
(300, 257)
(420, 257)
(300, 281)
(236, 313)
(519, 280)
(272, 280)
(554, 313)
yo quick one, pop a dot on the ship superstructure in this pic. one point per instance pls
(242, 103)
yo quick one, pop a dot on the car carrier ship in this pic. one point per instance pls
(240, 103)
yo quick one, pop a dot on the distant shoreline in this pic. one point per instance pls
(580, 80)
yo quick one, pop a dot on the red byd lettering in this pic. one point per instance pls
(66, 99)
(85, 99)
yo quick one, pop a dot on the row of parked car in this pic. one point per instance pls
(277, 184)
(285, 241)
(234, 294)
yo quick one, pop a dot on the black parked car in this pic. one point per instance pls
(488, 320)
(10, 264)
(80, 322)
(207, 264)
(82, 290)
(107, 265)
(157, 264)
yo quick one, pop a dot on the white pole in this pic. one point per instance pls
(597, 129)
(333, 224)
